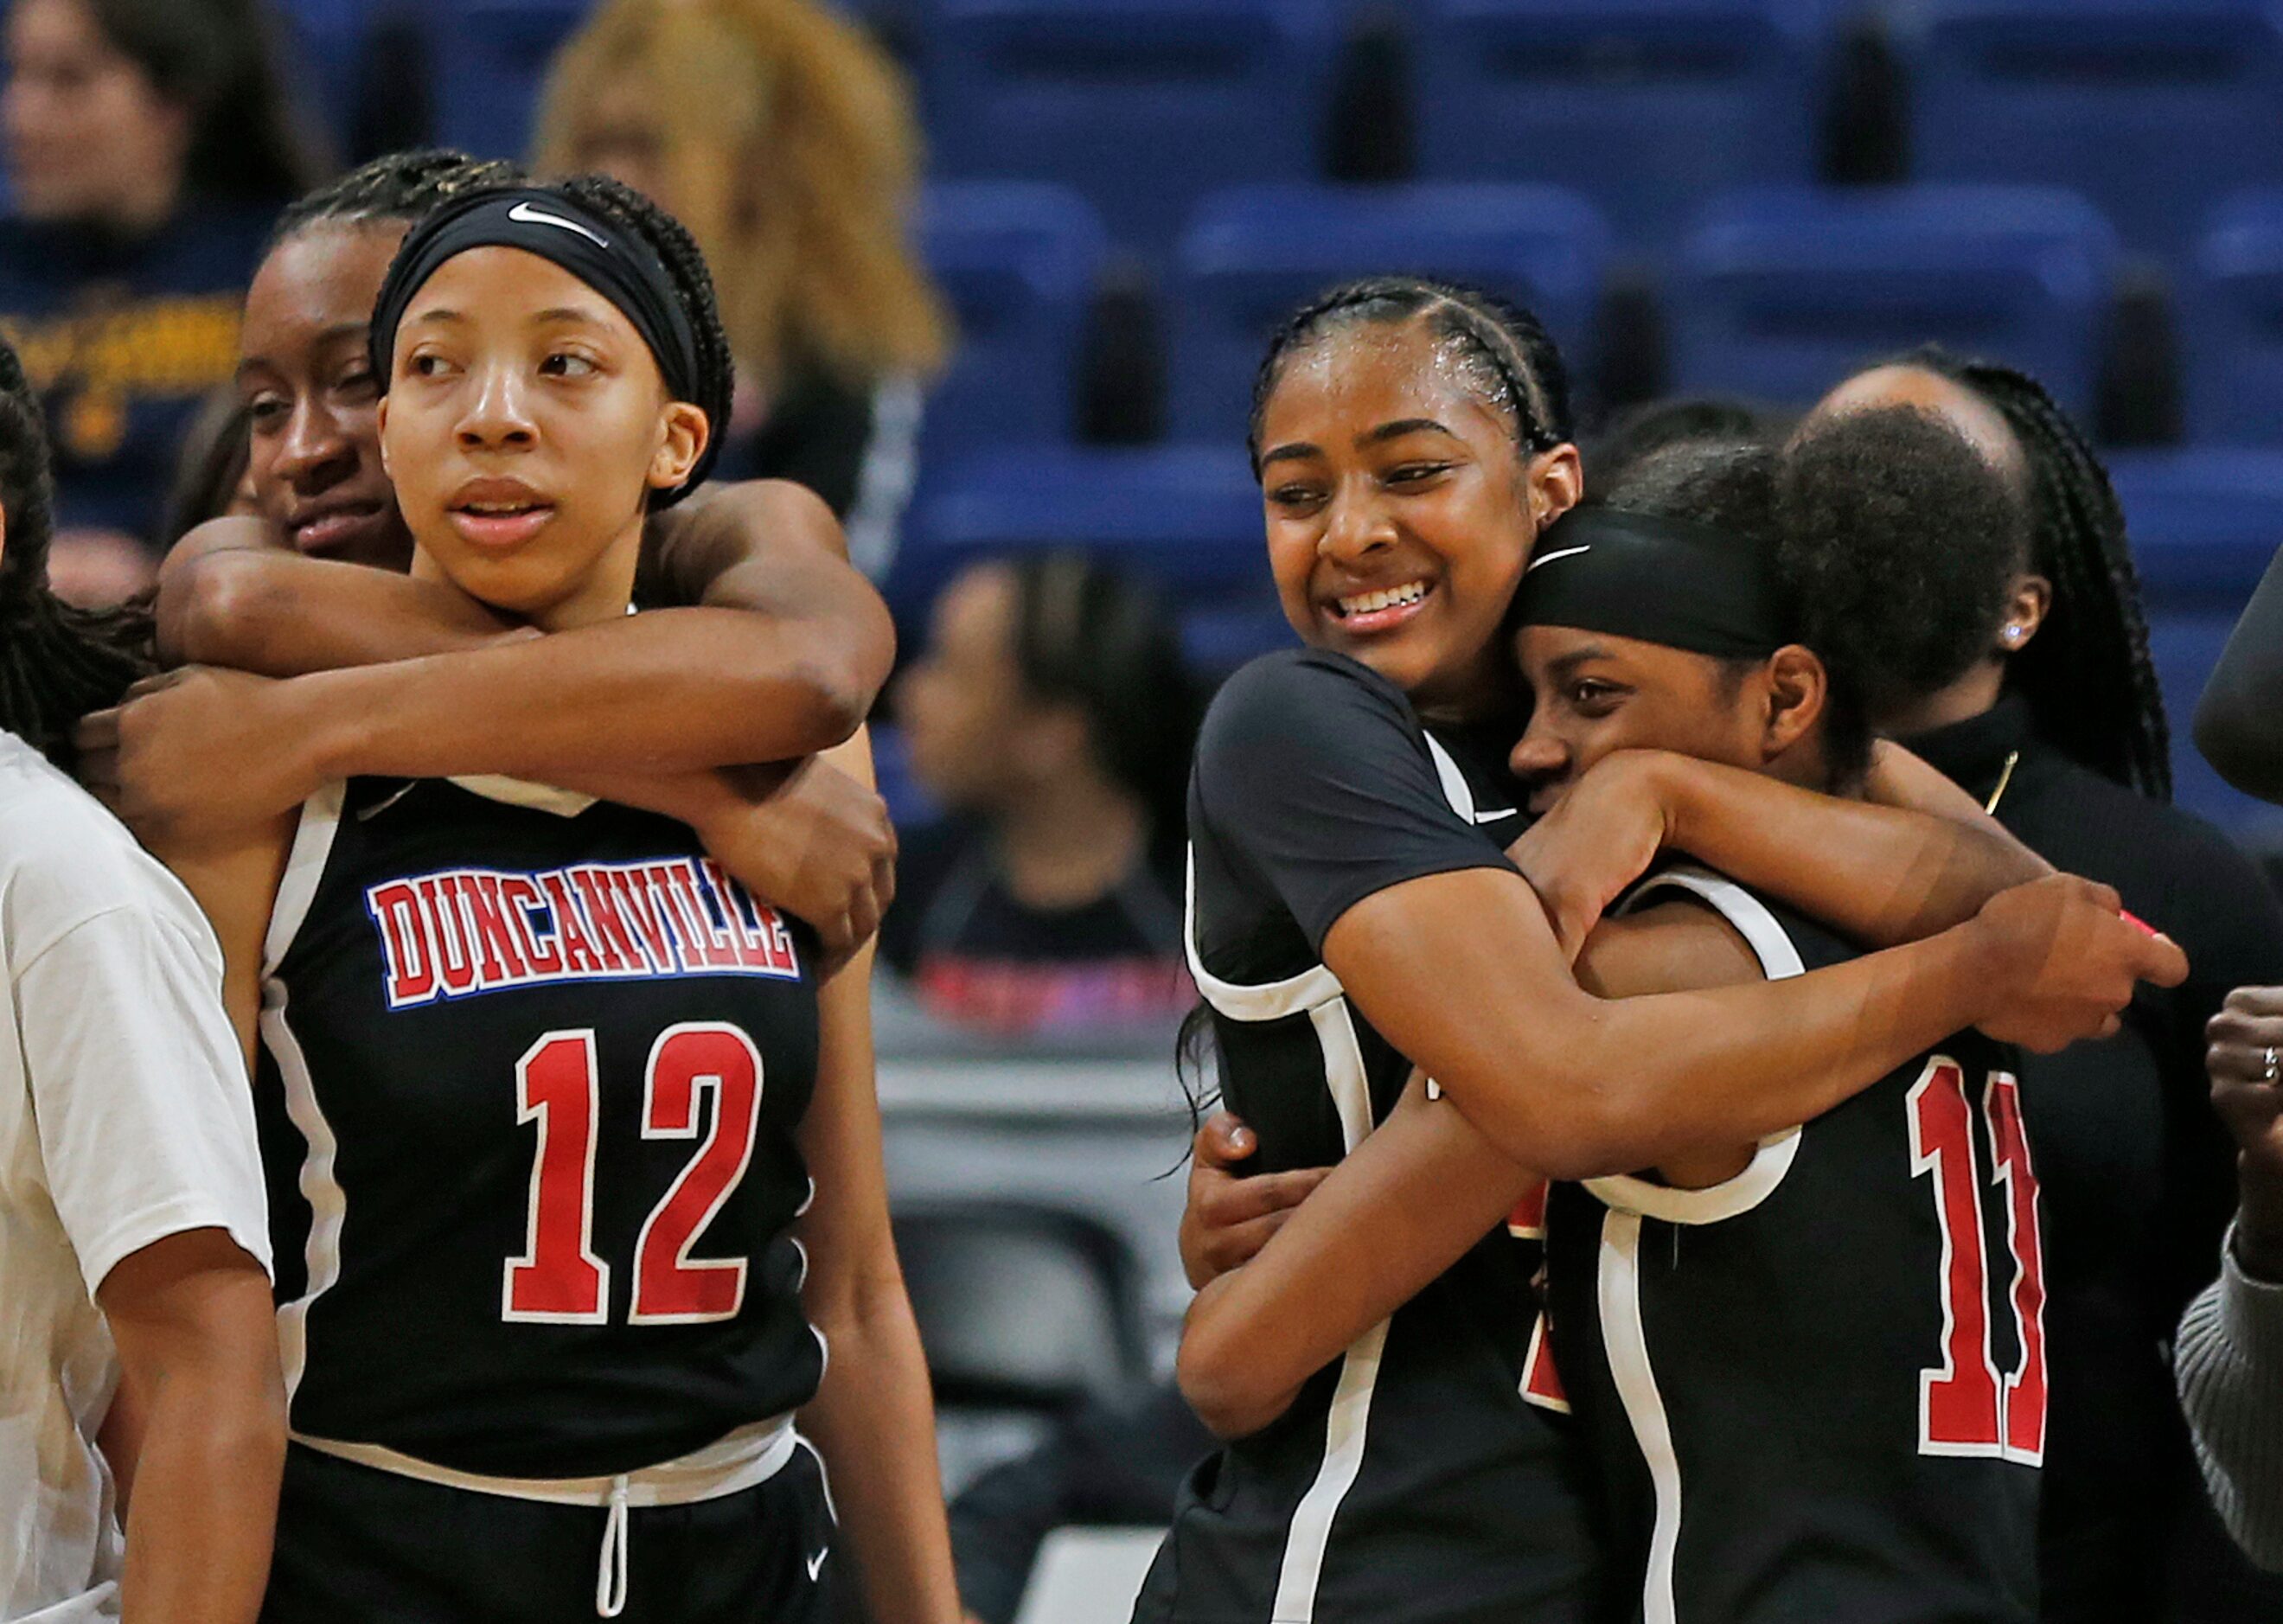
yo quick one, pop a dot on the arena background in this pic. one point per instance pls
(1735, 196)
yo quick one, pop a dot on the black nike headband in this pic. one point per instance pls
(615, 263)
(1670, 581)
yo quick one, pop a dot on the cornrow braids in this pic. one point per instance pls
(57, 661)
(1504, 350)
(2088, 675)
(685, 267)
(396, 187)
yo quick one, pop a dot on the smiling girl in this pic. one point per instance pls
(584, 1167)
(1353, 917)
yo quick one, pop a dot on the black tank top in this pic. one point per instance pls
(1818, 1390)
(530, 1079)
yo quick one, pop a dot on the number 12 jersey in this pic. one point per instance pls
(530, 1072)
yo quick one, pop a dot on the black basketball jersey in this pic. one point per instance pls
(531, 1075)
(1414, 1478)
(1817, 1391)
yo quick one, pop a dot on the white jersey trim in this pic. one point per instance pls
(1346, 1426)
(1779, 960)
(1311, 989)
(1618, 1287)
(312, 844)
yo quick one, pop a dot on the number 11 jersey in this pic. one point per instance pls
(1818, 1390)
(530, 1076)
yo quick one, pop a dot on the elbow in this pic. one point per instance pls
(2230, 737)
(210, 612)
(1232, 1394)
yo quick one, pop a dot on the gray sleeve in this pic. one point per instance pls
(2229, 1364)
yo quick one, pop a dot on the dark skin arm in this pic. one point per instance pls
(1883, 874)
(2237, 719)
(780, 656)
(1579, 1087)
(198, 1348)
(1365, 1243)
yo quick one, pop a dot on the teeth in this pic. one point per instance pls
(1365, 603)
(498, 507)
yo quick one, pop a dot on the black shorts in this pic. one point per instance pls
(356, 1545)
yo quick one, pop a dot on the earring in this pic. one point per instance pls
(2013, 635)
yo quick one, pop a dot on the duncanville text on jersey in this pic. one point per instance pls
(462, 932)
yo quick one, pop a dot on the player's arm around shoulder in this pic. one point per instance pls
(872, 1416)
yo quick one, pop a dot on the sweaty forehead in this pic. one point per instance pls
(1358, 374)
(323, 276)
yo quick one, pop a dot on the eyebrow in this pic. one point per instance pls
(1401, 427)
(1569, 663)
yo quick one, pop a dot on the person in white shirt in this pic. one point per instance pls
(135, 1298)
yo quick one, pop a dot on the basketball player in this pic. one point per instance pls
(780, 650)
(1350, 895)
(1742, 1334)
(559, 1083)
(134, 1250)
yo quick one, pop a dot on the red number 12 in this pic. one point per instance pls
(558, 1280)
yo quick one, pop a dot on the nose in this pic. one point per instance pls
(316, 450)
(498, 415)
(1538, 754)
(1357, 525)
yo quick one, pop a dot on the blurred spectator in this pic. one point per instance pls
(786, 142)
(1051, 715)
(148, 145)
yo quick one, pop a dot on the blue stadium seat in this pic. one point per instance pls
(1018, 261)
(1645, 105)
(2151, 108)
(1188, 515)
(491, 58)
(326, 39)
(1142, 104)
(2232, 324)
(2204, 524)
(1782, 291)
(1255, 253)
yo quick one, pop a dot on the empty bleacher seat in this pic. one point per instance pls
(1781, 290)
(1018, 262)
(1645, 105)
(2232, 323)
(1188, 515)
(2203, 524)
(491, 58)
(1142, 104)
(2152, 108)
(1254, 254)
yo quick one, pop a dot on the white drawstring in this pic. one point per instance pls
(618, 1534)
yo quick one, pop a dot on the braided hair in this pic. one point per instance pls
(2091, 684)
(398, 188)
(57, 661)
(1503, 350)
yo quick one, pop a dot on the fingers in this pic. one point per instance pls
(97, 731)
(1223, 1140)
(883, 881)
(2160, 961)
(1224, 1249)
(1224, 1201)
(2253, 1001)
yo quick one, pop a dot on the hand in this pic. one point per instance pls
(2247, 1030)
(2063, 959)
(193, 757)
(818, 844)
(1600, 838)
(1228, 1218)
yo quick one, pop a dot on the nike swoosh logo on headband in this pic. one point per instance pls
(523, 214)
(1559, 552)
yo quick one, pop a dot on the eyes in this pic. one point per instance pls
(566, 361)
(268, 409)
(1301, 494)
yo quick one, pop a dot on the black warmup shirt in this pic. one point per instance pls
(1412, 1479)
(1818, 1390)
(2140, 1183)
(531, 1080)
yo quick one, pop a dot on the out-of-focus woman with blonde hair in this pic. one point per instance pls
(787, 142)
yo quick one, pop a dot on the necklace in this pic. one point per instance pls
(2004, 778)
